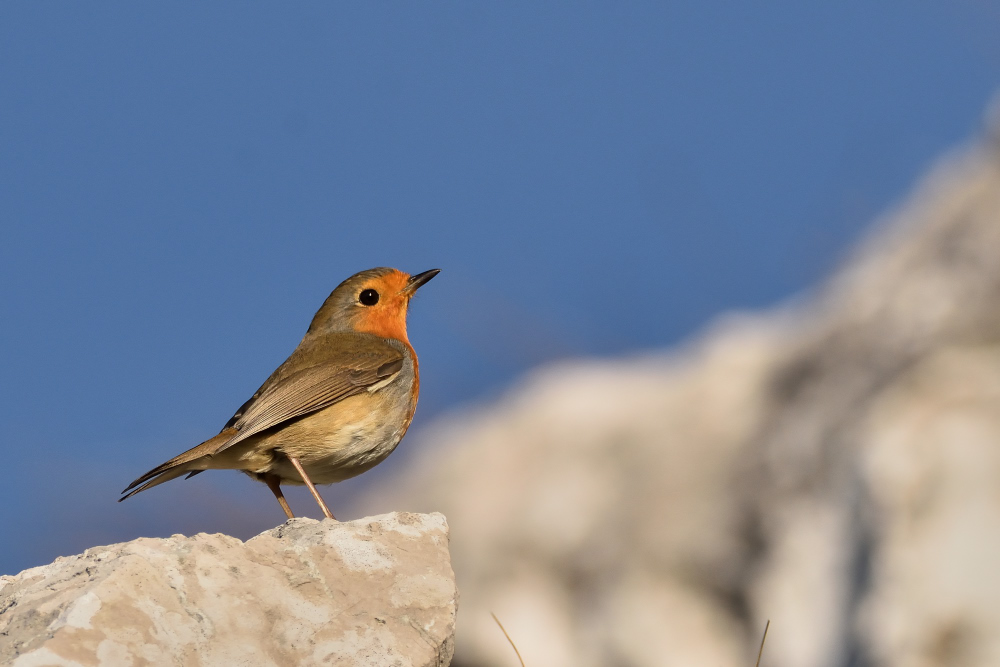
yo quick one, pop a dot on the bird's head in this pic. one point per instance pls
(373, 301)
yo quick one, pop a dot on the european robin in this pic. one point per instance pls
(335, 408)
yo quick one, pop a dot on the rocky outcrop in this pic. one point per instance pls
(832, 466)
(378, 591)
(881, 439)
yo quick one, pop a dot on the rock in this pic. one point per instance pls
(377, 591)
(826, 493)
(933, 470)
(832, 466)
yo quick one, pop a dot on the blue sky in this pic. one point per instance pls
(182, 185)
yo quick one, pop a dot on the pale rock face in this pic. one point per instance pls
(377, 591)
(934, 467)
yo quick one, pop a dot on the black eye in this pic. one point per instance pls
(368, 297)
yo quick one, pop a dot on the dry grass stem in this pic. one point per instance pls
(512, 644)
(759, 653)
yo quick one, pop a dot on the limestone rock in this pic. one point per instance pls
(933, 467)
(377, 591)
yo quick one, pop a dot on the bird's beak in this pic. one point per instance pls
(416, 281)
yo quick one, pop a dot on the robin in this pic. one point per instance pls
(335, 408)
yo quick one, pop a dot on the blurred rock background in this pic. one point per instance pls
(833, 466)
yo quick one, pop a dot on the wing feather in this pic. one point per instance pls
(310, 390)
(320, 372)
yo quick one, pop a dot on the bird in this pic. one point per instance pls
(338, 405)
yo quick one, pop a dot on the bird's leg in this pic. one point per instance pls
(312, 489)
(274, 483)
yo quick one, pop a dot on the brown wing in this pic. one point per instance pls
(321, 371)
(310, 390)
(292, 396)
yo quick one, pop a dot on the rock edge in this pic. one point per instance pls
(376, 591)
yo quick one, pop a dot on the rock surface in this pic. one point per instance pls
(833, 466)
(378, 591)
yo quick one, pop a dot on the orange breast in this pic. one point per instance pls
(388, 321)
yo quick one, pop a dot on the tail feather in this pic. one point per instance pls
(164, 476)
(192, 461)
